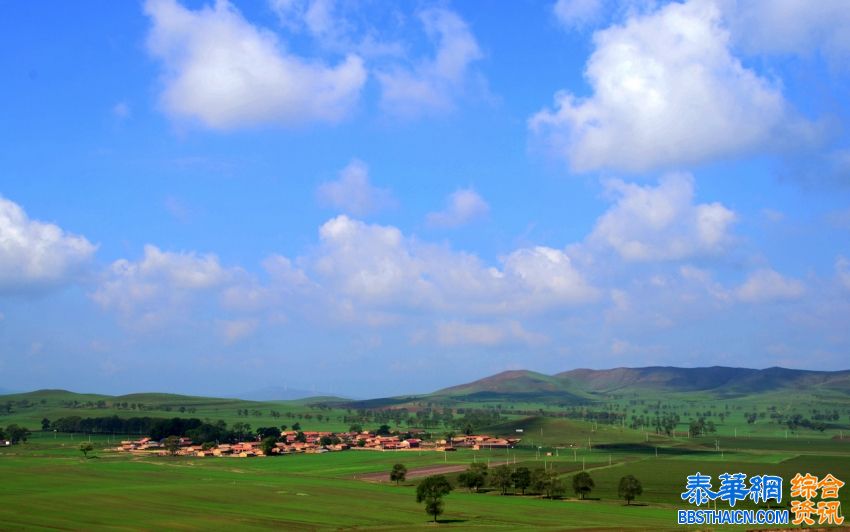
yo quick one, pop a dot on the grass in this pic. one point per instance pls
(48, 484)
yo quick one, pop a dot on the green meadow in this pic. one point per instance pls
(48, 484)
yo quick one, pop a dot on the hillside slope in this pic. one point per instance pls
(582, 384)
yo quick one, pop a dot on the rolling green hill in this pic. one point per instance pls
(717, 381)
(519, 385)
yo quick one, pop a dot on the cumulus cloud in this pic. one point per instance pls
(353, 193)
(379, 267)
(226, 73)
(432, 84)
(766, 285)
(462, 206)
(459, 333)
(661, 222)
(666, 90)
(36, 255)
(576, 14)
(159, 281)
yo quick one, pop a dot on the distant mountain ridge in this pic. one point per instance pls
(568, 387)
(278, 393)
(586, 383)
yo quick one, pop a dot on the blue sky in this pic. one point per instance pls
(373, 198)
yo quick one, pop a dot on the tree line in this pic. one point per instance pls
(545, 482)
(158, 428)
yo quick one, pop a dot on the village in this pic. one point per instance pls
(314, 442)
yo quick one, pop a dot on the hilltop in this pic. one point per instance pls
(573, 387)
(586, 384)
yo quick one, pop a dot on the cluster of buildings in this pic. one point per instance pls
(292, 442)
(479, 442)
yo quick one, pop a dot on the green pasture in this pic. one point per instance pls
(48, 484)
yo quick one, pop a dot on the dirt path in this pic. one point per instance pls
(422, 472)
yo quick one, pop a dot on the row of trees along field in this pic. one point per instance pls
(544, 482)
(14, 434)
(193, 428)
(158, 428)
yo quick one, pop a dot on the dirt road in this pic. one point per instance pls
(422, 472)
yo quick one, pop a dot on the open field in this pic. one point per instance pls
(48, 484)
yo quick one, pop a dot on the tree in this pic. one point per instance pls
(266, 432)
(268, 445)
(475, 477)
(383, 430)
(629, 488)
(86, 447)
(502, 478)
(171, 444)
(583, 484)
(296, 426)
(399, 473)
(431, 491)
(17, 434)
(449, 437)
(45, 424)
(356, 427)
(521, 479)
(547, 483)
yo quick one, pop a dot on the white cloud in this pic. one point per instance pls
(769, 285)
(666, 91)
(226, 73)
(338, 26)
(377, 266)
(576, 14)
(790, 26)
(456, 333)
(545, 276)
(36, 255)
(662, 223)
(463, 206)
(432, 84)
(352, 193)
(321, 18)
(159, 281)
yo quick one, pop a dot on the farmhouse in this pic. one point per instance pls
(313, 442)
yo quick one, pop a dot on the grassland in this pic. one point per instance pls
(48, 484)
